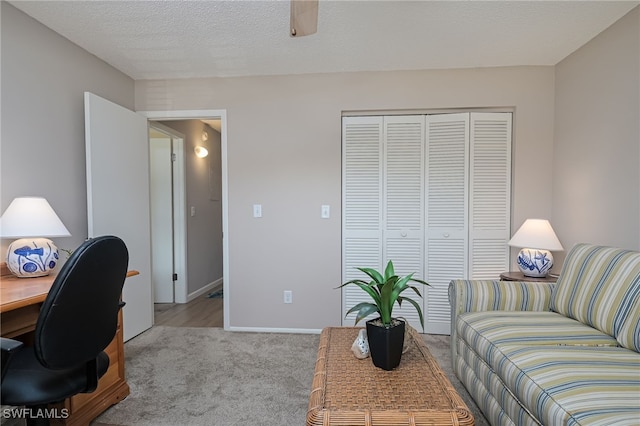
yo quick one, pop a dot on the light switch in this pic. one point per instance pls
(325, 211)
(257, 210)
(193, 211)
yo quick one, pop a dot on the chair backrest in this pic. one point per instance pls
(79, 317)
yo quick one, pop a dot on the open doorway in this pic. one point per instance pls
(167, 206)
(204, 212)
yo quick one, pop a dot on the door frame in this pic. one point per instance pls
(204, 114)
(179, 202)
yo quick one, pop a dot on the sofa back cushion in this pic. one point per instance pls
(600, 286)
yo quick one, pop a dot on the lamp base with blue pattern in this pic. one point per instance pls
(535, 262)
(32, 257)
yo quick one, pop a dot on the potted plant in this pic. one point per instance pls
(385, 334)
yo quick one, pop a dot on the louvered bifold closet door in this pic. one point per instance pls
(447, 141)
(361, 201)
(490, 186)
(403, 204)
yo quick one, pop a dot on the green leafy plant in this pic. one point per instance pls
(385, 290)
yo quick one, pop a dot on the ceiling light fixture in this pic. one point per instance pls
(201, 151)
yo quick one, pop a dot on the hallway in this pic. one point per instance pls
(202, 311)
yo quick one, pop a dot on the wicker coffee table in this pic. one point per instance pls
(349, 391)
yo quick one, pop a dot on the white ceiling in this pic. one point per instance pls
(187, 39)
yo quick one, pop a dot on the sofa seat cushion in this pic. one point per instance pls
(486, 331)
(574, 385)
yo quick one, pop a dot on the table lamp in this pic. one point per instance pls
(31, 219)
(537, 239)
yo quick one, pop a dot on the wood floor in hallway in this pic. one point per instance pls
(202, 311)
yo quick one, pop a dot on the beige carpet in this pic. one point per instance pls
(208, 376)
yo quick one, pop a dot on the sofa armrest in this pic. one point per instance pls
(487, 295)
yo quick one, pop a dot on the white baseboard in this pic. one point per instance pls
(276, 330)
(206, 289)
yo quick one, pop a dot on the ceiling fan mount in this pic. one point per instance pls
(304, 18)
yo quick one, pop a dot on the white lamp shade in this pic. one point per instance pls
(536, 234)
(31, 217)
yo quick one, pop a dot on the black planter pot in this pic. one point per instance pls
(385, 343)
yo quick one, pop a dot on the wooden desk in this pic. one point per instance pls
(20, 302)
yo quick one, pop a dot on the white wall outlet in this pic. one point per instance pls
(193, 211)
(288, 296)
(257, 210)
(325, 211)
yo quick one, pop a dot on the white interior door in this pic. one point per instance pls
(447, 139)
(489, 215)
(383, 202)
(118, 197)
(161, 219)
(403, 204)
(361, 199)
(432, 193)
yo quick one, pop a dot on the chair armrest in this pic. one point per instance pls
(8, 347)
(487, 295)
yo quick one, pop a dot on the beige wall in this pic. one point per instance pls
(284, 152)
(596, 195)
(42, 153)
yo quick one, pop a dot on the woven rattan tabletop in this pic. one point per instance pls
(349, 391)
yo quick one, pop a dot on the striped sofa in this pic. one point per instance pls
(553, 354)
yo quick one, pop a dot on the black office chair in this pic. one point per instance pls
(77, 321)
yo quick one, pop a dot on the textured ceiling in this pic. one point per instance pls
(187, 39)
